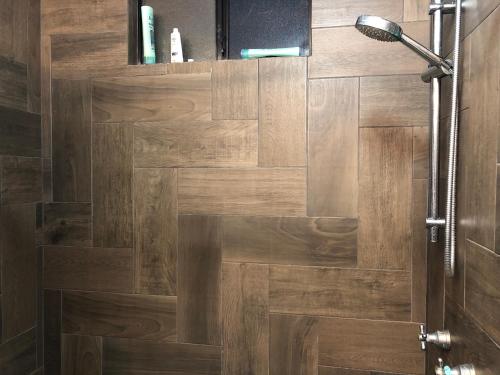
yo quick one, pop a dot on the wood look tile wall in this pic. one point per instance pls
(20, 188)
(232, 217)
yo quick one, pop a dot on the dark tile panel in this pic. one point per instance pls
(19, 133)
(67, 224)
(13, 83)
(18, 356)
(81, 355)
(20, 180)
(52, 331)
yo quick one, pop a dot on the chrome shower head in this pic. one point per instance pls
(387, 31)
(379, 28)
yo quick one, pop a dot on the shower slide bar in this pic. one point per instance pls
(386, 31)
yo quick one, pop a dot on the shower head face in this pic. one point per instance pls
(379, 28)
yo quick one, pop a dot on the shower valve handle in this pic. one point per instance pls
(441, 339)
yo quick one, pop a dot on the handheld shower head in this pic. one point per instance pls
(387, 31)
(379, 28)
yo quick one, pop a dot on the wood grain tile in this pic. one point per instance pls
(482, 288)
(416, 10)
(282, 112)
(33, 50)
(485, 116)
(47, 180)
(18, 356)
(198, 280)
(52, 331)
(361, 56)
(20, 180)
(19, 133)
(71, 135)
(419, 251)
(112, 170)
(73, 16)
(18, 269)
(235, 90)
(328, 13)
(67, 224)
(134, 357)
(289, 240)
(119, 315)
(155, 207)
(220, 143)
(393, 101)
(46, 96)
(340, 292)
(81, 355)
(385, 198)
(80, 268)
(327, 370)
(188, 96)
(370, 345)
(333, 170)
(269, 192)
(76, 56)
(13, 84)
(294, 345)
(245, 313)
(191, 67)
(421, 152)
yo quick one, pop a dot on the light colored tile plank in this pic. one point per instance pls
(345, 52)
(419, 251)
(393, 101)
(245, 313)
(385, 179)
(235, 90)
(269, 192)
(220, 143)
(421, 152)
(282, 112)
(333, 148)
(416, 10)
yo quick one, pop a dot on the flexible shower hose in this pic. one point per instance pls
(451, 191)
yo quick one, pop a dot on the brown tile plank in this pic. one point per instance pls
(419, 251)
(328, 13)
(80, 268)
(294, 345)
(482, 288)
(471, 344)
(119, 315)
(133, 357)
(52, 331)
(326, 370)
(188, 96)
(47, 180)
(245, 313)
(282, 112)
(393, 101)
(370, 294)
(18, 269)
(420, 152)
(18, 356)
(290, 240)
(19, 133)
(333, 170)
(269, 192)
(67, 224)
(71, 135)
(76, 56)
(235, 90)
(196, 144)
(190, 67)
(13, 84)
(484, 113)
(155, 206)
(33, 49)
(385, 198)
(198, 280)
(73, 16)
(20, 180)
(361, 56)
(46, 97)
(370, 345)
(81, 355)
(112, 169)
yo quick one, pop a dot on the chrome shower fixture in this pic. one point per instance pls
(387, 31)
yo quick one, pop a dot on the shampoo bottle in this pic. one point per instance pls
(148, 34)
(176, 47)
